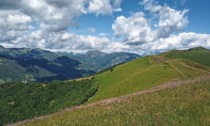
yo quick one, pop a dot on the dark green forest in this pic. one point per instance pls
(24, 101)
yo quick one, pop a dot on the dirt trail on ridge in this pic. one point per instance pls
(172, 84)
(168, 85)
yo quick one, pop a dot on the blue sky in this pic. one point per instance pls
(198, 15)
(137, 26)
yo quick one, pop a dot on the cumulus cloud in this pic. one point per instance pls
(169, 20)
(57, 15)
(53, 15)
(60, 41)
(13, 24)
(138, 30)
(135, 29)
(183, 41)
(45, 23)
(104, 6)
(162, 32)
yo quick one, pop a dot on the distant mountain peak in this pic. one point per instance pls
(40, 64)
(95, 53)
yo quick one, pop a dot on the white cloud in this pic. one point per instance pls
(11, 18)
(104, 6)
(57, 15)
(52, 14)
(116, 47)
(102, 35)
(146, 36)
(63, 40)
(100, 7)
(168, 20)
(18, 19)
(91, 30)
(182, 41)
(135, 28)
(44, 24)
(117, 10)
(13, 24)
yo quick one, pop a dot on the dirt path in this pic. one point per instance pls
(175, 68)
(171, 84)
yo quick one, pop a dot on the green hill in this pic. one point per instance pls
(198, 54)
(185, 104)
(145, 73)
(140, 75)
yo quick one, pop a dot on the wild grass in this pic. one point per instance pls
(187, 104)
(144, 73)
(199, 55)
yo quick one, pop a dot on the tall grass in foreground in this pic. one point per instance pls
(188, 104)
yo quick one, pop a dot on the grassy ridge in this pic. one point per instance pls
(145, 73)
(183, 105)
(198, 54)
(137, 75)
(23, 101)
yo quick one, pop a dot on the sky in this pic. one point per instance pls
(136, 26)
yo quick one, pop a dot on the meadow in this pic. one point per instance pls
(144, 73)
(185, 104)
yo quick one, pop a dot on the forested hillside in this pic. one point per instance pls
(24, 101)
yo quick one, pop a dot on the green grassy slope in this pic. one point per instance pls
(144, 73)
(182, 105)
(140, 74)
(198, 54)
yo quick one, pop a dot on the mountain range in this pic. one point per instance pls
(100, 60)
(29, 65)
(38, 65)
(168, 88)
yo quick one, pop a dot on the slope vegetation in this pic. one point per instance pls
(177, 103)
(23, 101)
(145, 73)
(198, 54)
